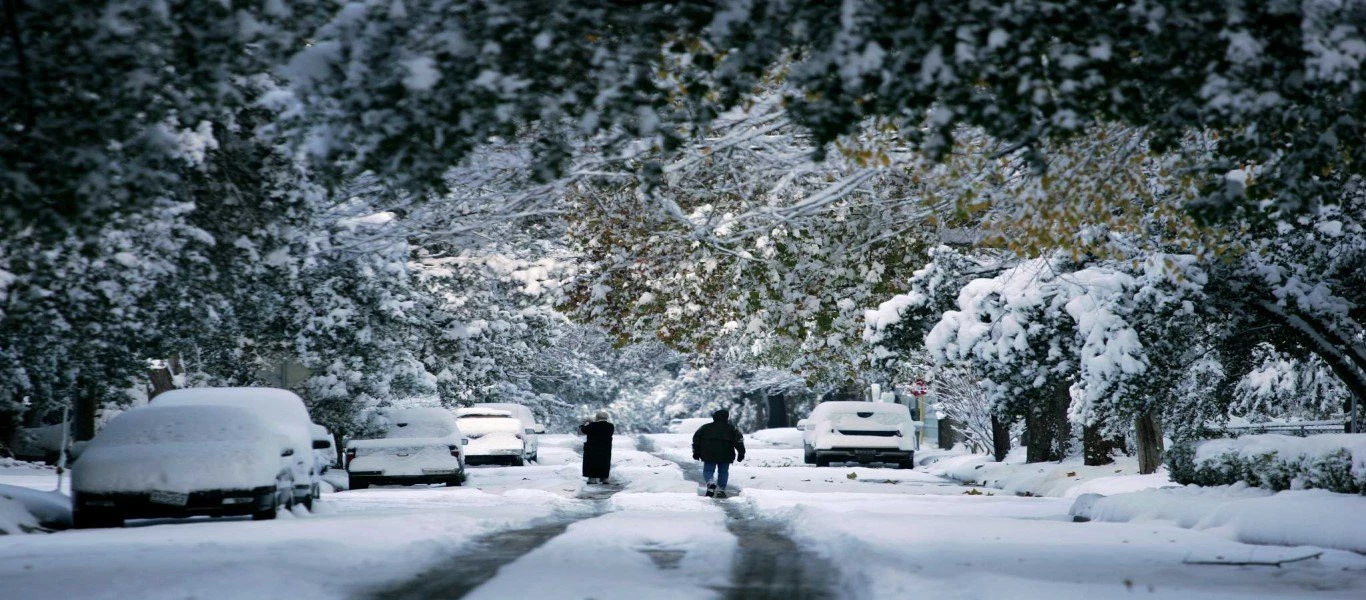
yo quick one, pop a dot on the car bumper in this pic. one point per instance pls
(865, 455)
(215, 502)
(371, 478)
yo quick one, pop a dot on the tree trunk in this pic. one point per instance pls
(161, 382)
(1049, 432)
(1000, 438)
(1096, 449)
(1149, 438)
(83, 417)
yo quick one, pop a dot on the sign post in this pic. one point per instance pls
(918, 389)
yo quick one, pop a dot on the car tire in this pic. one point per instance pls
(822, 462)
(457, 482)
(360, 485)
(265, 515)
(308, 502)
(518, 462)
(536, 457)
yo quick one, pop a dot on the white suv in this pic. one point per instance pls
(863, 432)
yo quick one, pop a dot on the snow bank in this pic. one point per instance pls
(1067, 479)
(1251, 515)
(14, 518)
(787, 437)
(51, 510)
(1335, 462)
(896, 547)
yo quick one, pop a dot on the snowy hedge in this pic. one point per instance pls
(1335, 462)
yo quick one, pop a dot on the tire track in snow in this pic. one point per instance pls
(485, 556)
(769, 565)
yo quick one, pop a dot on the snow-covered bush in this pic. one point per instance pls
(1334, 462)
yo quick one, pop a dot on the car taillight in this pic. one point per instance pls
(455, 451)
(350, 456)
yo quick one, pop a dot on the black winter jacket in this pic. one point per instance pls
(718, 442)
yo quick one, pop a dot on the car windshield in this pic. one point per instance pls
(417, 428)
(480, 424)
(420, 423)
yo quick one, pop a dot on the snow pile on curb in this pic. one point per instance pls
(1335, 462)
(1242, 513)
(1067, 479)
(49, 510)
(14, 463)
(14, 518)
(783, 437)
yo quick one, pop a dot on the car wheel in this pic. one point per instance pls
(822, 462)
(518, 462)
(359, 484)
(264, 515)
(536, 457)
(308, 502)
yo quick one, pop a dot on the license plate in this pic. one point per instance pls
(171, 498)
(865, 452)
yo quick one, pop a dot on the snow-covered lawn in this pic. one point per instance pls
(1067, 479)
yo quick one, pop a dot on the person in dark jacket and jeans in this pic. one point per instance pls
(717, 444)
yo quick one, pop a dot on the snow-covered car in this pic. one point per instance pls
(420, 445)
(496, 437)
(324, 453)
(281, 408)
(531, 430)
(181, 461)
(863, 432)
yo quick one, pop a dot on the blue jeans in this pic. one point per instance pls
(710, 467)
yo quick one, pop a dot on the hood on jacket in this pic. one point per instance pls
(721, 416)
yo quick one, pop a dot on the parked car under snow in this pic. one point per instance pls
(181, 461)
(496, 437)
(420, 445)
(862, 432)
(283, 409)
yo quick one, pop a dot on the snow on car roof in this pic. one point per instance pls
(850, 407)
(271, 403)
(478, 411)
(181, 424)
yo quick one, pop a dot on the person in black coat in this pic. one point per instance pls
(717, 444)
(597, 449)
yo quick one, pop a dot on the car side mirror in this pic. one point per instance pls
(322, 444)
(464, 441)
(530, 430)
(287, 452)
(77, 448)
(538, 428)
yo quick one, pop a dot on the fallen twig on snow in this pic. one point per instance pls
(1252, 563)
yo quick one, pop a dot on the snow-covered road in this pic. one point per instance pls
(539, 532)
